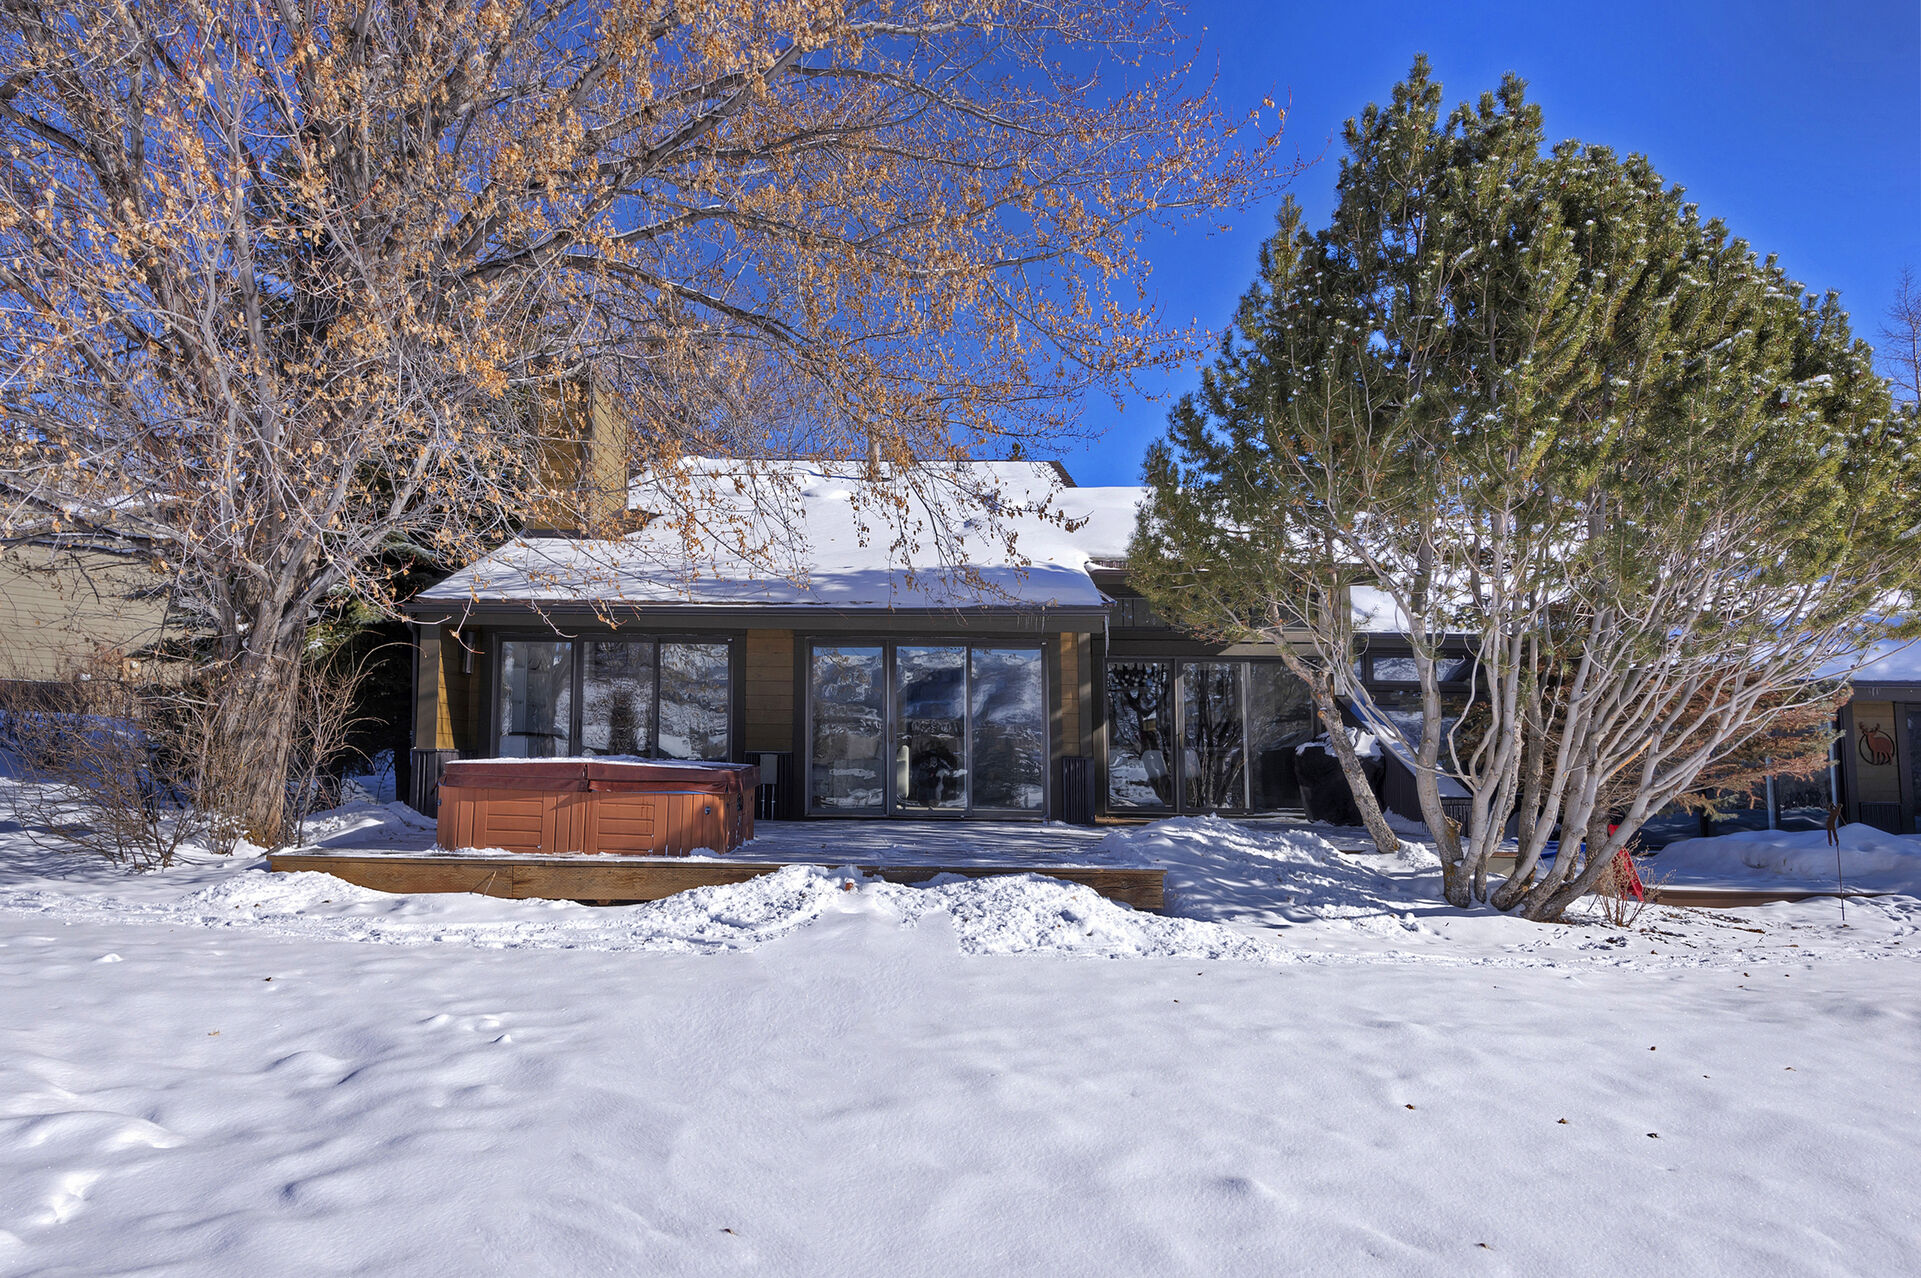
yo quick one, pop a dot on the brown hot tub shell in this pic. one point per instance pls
(637, 807)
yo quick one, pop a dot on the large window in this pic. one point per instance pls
(1204, 736)
(1009, 729)
(1213, 736)
(536, 699)
(656, 698)
(847, 689)
(1140, 734)
(930, 721)
(926, 728)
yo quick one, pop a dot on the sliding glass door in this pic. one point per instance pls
(1280, 717)
(1140, 735)
(847, 735)
(536, 699)
(930, 728)
(925, 729)
(1009, 726)
(1203, 736)
(696, 705)
(1213, 737)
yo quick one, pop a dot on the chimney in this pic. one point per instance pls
(580, 469)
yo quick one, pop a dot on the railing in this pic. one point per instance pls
(1882, 816)
(424, 784)
(1077, 790)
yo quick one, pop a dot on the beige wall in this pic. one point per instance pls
(1875, 733)
(57, 614)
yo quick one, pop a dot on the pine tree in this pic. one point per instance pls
(1544, 409)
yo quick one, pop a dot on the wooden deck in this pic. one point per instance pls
(629, 879)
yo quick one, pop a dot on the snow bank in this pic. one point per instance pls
(1279, 875)
(1012, 914)
(1870, 860)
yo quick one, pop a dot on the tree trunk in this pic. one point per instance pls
(1330, 712)
(244, 769)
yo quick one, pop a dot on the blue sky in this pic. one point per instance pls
(1797, 122)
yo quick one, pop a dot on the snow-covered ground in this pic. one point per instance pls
(1868, 860)
(1307, 1066)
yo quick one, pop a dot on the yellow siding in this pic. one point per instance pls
(581, 473)
(1070, 694)
(770, 690)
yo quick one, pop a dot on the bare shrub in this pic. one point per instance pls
(109, 763)
(1623, 891)
(326, 725)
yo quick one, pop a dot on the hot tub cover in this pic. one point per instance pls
(603, 772)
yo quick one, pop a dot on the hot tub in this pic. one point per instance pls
(637, 807)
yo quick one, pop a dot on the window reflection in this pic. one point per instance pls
(1010, 729)
(847, 690)
(617, 698)
(930, 727)
(695, 703)
(1214, 741)
(536, 699)
(1140, 722)
(1280, 717)
(1237, 727)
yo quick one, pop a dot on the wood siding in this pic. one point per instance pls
(769, 690)
(58, 614)
(580, 472)
(448, 714)
(1077, 700)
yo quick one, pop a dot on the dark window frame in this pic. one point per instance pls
(1177, 766)
(890, 806)
(734, 641)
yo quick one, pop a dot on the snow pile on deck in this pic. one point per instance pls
(1871, 860)
(1014, 914)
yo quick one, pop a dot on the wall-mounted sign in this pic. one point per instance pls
(1875, 746)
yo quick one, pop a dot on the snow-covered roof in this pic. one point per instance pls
(798, 534)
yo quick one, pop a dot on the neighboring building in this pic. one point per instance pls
(1879, 753)
(905, 669)
(61, 612)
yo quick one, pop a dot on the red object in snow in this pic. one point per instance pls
(1627, 876)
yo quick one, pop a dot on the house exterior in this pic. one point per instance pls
(891, 654)
(1877, 774)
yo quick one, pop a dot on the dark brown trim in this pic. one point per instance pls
(1057, 743)
(1850, 784)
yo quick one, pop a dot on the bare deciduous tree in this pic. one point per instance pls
(283, 281)
(1901, 340)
